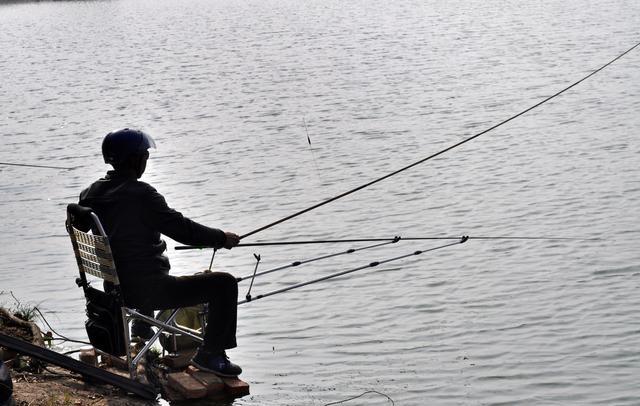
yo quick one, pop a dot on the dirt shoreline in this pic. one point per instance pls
(35, 383)
(57, 387)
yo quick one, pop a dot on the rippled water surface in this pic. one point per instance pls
(225, 88)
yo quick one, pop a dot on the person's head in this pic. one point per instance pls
(127, 150)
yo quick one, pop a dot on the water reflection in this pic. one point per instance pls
(224, 88)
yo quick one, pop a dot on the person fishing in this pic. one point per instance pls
(134, 216)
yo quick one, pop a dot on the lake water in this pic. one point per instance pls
(225, 87)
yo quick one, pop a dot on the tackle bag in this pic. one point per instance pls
(104, 323)
(188, 318)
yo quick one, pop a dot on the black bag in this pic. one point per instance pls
(104, 324)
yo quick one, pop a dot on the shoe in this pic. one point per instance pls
(141, 329)
(217, 363)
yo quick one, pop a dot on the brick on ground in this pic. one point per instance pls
(236, 387)
(212, 382)
(186, 385)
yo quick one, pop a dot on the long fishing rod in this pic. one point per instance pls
(306, 261)
(396, 238)
(315, 206)
(386, 241)
(308, 242)
(35, 166)
(335, 275)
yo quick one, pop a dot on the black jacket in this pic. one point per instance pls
(134, 215)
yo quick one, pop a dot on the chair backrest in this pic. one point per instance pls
(105, 323)
(92, 250)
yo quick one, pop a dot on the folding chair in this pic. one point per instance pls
(108, 317)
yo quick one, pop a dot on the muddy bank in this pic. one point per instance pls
(55, 386)
(35, 383)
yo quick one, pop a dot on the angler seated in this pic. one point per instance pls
(134, 216)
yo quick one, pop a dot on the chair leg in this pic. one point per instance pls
(152, 340)
(161, 328)
(127, 343)
(166, 326)
(169, 325)
(203, 316)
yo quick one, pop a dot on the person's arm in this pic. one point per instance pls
(173, 224)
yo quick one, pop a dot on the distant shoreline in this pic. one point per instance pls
(36, 1)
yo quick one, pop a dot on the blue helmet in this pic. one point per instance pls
(120, 144)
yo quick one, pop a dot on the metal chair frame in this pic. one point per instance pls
(94, 257)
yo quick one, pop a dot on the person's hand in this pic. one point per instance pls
(232, 240)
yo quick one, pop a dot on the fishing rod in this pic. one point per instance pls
(35, 166)
(308, 242)
(464, 141)
(396, 238)
(335, 275)
(386, 241)
(306, 261)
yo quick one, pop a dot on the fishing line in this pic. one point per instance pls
(297, 263)
(35, 166)
(352, 240)
(308, 209)
(335, 275)
(538, 238)
(361, 395)
(64, 338)
(44, 319)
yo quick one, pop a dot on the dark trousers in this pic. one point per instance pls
(218, 289)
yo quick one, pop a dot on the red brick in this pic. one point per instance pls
(236, 387)
(186, 385)
(212, 382)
